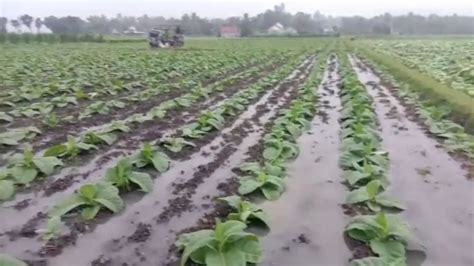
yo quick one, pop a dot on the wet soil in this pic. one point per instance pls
(435, 202)
(56, 135)
(87, 243)
(313, 193)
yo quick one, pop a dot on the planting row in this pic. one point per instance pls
(23, 169)
(90, 198)
(228, 242)
(375, 224)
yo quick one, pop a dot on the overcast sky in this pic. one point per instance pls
(222, 8)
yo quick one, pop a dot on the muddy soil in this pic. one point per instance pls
(56, 135)
(307, 221)
(127, 143)
(232, 141)
(431, 184)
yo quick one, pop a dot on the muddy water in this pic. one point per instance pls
(307, 221)
(111, 239)
(438, 198)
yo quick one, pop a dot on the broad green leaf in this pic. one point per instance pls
(67, 205)
(248, 185)
(271, 153)
(388, 202)
(23, 175)
(143, 180)
(89, 213)
(7, 189)
(161, 162)
(46, 164)
(56, 150)
(390, 249)
(230, 257)
(108, 196)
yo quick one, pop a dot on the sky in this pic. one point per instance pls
(223, 9)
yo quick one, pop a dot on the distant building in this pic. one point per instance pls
(279, 29)
(133, 31)
(230, 32)
(276, 29)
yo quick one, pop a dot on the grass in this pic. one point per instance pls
(429, 89)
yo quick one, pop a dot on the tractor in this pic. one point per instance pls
(166, 36)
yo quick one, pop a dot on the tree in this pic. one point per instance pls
(3, 24)
(16, 24)
(26, 20)
(303, 24)
(245, 27)
(38, 24)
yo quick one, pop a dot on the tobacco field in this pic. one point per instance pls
(290, 151)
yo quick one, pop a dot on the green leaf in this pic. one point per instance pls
(230, 257)
(143, 180)
(390, 249)
(251, 249)
(56, 150)
(248, 185)
(46, 164)
(193, 242)
(7, 189)
(388, 202)
(108, 196)
(161, 162)
(271, 153)
(89, 213)
(7, 260)
(357, 195)
(23, 175)
(67, 205)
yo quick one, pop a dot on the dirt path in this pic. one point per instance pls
(439, 200)
(307, 221)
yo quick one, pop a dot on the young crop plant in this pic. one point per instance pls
(13, 136)
(372, 197)
(71, 148)
(91, 198)
(270, 185)
(5, 117)
(96, 138)
(123, 176)
(51, 120)
(64, 100)
(386, 235)
(53, 228)
(116, 126)
(175, 144)
(279, 149)
(7, 186)
(246, 211)
(24, 168)
(150, 155)
(227, 244)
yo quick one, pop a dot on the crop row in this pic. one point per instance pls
(38, 75)
(13, 136)
(90, 198)
(71, 111)
(24, 168)
(228, 242)
(365, 163)
(444, 60)
(434, 118)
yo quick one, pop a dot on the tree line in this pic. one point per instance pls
(303, 23)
